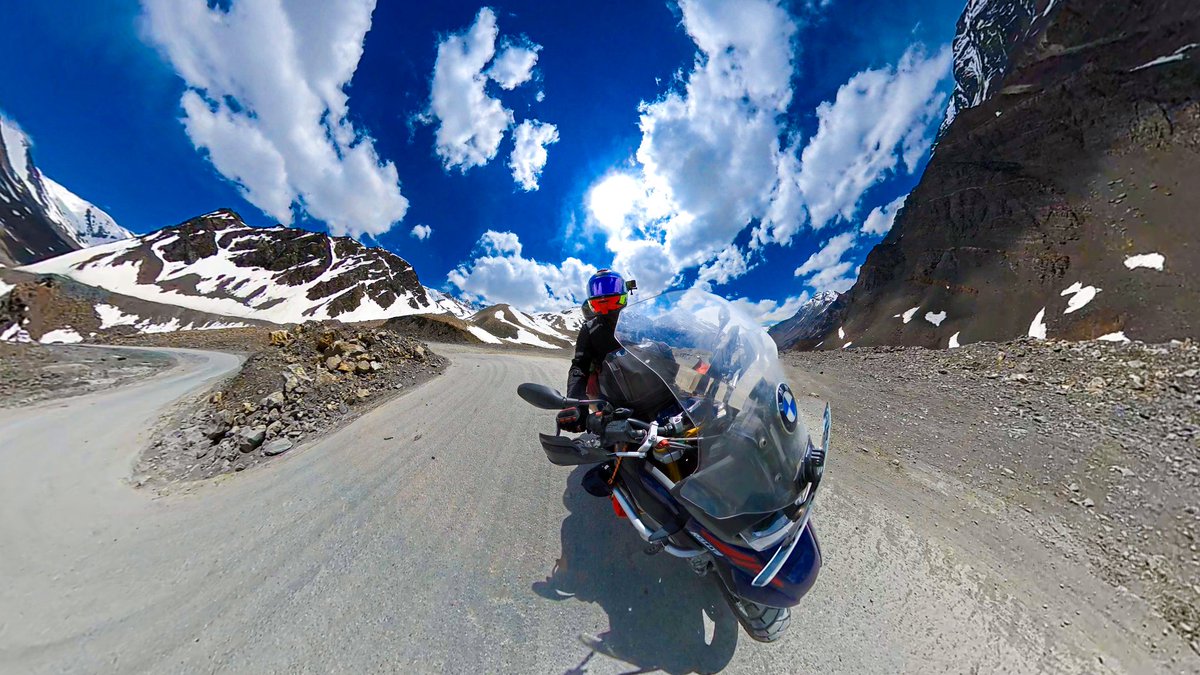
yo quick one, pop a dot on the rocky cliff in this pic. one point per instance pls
(1060, 199)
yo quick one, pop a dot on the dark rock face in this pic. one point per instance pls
(1079, 158)
(811, 322)
(39, 218)
(26, 232)
(988, 30)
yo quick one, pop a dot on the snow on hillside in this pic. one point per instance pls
(218, 264)
(29, 193)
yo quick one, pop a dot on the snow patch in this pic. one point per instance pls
(847, 345)
(1118, 336)
(908, 314)
(14, 333)
(1178, 55)
(5, 288)
(111, 317)
(1080, 296)
(936, 319)
(841, 333)
(1153, 261)
(66, 335)
(954, 341)
(1037, 329)
(483, 335)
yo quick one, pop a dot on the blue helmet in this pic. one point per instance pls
(605, 282)
(606, 292)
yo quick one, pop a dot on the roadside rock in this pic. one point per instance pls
(294, 387)
(250, 438)
(276, 447)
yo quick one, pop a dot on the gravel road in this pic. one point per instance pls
(432, 535)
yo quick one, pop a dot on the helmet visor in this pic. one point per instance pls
(608, 303)
(609, 284)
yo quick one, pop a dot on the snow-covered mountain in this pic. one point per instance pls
(216, 263)
(549, 330)
(40, 218)
(987, 32)
(809, 324)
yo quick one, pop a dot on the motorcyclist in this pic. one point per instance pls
(607, 296)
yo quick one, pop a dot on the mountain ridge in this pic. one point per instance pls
(39, 217)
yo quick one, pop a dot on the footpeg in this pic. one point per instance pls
(665, 532)
(654, 549)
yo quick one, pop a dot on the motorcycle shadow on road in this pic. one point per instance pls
(657, 607)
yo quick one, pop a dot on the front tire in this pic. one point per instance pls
(762, 623)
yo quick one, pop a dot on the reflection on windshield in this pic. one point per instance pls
(723, 370)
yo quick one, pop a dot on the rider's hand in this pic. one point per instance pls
(570, 419)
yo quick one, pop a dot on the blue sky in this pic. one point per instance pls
(757, 148)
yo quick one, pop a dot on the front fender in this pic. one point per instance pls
(794, 580)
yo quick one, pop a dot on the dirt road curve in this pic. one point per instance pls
(432, 535)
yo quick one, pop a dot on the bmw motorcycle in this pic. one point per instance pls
(708, 458)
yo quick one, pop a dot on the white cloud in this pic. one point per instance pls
(514, 66)
(830, 254)
(529, 152)
(470, 122)
(880, 120)
(421, 232)
(717, 155)
(769, 312)
(825, 270)
(501, 274)
(880, 220)
(266, 100)
(729, 264)
(721, 128)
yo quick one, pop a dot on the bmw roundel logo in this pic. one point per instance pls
(789, 412)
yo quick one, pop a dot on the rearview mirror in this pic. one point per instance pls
(541, 396)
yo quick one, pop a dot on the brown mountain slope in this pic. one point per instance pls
(1080, 160)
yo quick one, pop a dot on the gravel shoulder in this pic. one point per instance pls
(32, 372)
(1090, 449)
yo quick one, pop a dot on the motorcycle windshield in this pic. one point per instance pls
(723, 369)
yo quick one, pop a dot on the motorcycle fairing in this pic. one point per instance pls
(737, 567)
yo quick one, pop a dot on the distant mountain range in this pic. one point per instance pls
(214, 271)
(38, 217)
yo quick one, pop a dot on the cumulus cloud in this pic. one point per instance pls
(826, 270)
(470, 122)
(529, 152)
(880, 121)
(421, 232)
(721, 128)
(514, 66)
(880, 220)
(266, 101)
(729, 264)
(500, 273)
(770, 312)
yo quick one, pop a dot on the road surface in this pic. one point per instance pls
(432, 535)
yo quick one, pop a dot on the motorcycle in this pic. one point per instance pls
(709, 459)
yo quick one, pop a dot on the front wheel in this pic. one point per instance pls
(762, 623)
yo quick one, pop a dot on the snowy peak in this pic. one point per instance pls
(984, 43)
(39, 217)
(508, 324)
(216, 263)
(814, 318)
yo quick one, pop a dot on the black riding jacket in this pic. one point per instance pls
(595, 341)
